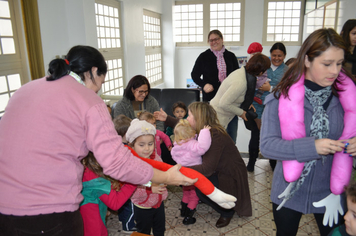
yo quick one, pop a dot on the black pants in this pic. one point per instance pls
(153, 218)
(55, 224)
(223, 212)
(287, 221)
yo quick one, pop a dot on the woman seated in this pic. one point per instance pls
(221, 164)
(136, 99)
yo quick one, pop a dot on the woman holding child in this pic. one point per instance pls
(221, 164)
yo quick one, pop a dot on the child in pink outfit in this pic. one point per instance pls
(160, 136)
(253, 49)
(147, 199)
(187, 151)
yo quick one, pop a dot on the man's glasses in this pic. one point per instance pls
(214, 40)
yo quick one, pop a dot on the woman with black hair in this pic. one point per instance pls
(136, 99)
(49, 125)
(348, 33)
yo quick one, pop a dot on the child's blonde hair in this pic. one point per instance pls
(145, 115)
(183, 131)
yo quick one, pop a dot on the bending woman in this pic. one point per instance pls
(238, 88)
(302, 123)
(221, 164)
(49, 125)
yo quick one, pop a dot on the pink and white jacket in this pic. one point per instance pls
(143, 195)
(189, 153)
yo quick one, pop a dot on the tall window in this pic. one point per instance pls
(194, 20)
(322, 17)
(153, 47)
(12, 56)
(109, 43)
(283, 22)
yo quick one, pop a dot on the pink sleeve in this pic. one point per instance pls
(117, 160)
(116, 199)
(165, 138)
(203, 144)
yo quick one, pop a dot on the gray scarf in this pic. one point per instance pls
(319, 129)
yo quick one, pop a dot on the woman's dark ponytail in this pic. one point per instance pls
(79, 60)
(57, 69)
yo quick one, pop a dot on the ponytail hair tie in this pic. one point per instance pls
(67, 62)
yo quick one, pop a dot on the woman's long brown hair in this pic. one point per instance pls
(92, 164)
(204, 114)
(316, 44)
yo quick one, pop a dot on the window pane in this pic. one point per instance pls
(5, 28)
(281, 16)
(4, 9)
(3, 84)
(14, 81)
(4, 99)
(8, 46)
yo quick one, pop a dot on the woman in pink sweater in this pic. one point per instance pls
(49, 125)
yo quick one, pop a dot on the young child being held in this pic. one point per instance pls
(160, 136)
(148, 201)
(126, 212)
(187, 151)
(100, 193)
(180, 111)
(349, 228)
(254, 49)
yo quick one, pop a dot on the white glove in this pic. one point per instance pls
(224, 200)
(285, 193)
(333, 207)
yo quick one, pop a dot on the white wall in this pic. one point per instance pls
(66, 23)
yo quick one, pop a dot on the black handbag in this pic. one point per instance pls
(251, 115)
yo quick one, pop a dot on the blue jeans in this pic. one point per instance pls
(232, 128)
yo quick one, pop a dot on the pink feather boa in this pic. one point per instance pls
(291, 116)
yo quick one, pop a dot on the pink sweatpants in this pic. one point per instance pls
(190, 197)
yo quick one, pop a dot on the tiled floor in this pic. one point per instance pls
(260, 223)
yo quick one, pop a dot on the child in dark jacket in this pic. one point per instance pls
(126, 212)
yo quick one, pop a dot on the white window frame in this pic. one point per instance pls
(152, 30)
(285, 42)
(14, 65)
(114, 56)
(321, 17)
(207, 21)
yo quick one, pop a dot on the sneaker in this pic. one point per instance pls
(130, 231)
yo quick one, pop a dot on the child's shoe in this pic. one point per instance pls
(183, 209)
(189, 219)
